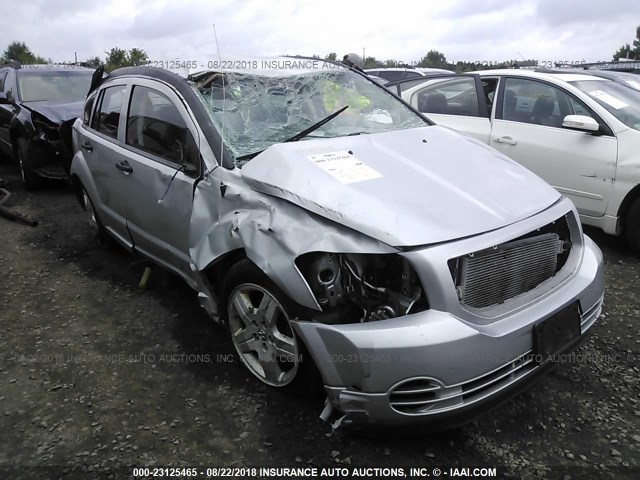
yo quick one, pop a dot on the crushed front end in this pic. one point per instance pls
(50, 147)
(439, 334)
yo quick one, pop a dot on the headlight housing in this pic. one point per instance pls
(358, 287)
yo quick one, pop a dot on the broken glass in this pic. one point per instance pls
(254, 111)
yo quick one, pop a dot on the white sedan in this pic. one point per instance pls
(579, 132)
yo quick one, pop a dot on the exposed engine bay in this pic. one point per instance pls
(354, 288)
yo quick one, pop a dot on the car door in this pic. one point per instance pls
(162, 152)
(7, 112)
(102, 142)
(528, 128)
(455, 101)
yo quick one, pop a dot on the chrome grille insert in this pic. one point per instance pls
(419, 396)
(494, 275)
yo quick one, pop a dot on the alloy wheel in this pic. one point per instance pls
(262, 335)
(91, 214)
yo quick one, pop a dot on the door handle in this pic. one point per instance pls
(507, 140)
(87, 146)
(124, 166)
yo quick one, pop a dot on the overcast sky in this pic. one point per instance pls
(473, 30)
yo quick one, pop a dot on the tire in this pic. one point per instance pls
(265, 342)
(99, 232)
(632, 226)
(31, 180)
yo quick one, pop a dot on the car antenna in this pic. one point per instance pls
(223, 187)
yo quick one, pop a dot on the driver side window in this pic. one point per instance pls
(156, 126)
(538, 103)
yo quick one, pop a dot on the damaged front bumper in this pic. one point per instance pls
(438, 368)
(50, 159)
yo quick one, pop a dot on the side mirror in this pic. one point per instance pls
(3, 99)
(189, 169)
(581, 122)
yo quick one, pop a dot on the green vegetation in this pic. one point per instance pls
(19, 52)
(628, 51)
(116, 57)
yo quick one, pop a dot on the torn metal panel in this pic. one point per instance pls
(56, 112)
(273, 232)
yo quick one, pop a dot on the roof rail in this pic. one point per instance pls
(622, 66)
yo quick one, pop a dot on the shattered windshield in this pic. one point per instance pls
(622, 102)
(253, 112)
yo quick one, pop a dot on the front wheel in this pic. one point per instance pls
(632, 226)
(99, 233)
(31, 180)
(259, 323)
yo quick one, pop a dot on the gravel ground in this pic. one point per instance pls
(96, 371)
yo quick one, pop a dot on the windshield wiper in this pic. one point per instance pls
(316, 125)
(356, 133)
(301, 135)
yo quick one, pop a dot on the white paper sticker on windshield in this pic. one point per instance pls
(344, 167)
(634, 83)
(608, 99)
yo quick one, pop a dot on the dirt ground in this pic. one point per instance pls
(95, 371)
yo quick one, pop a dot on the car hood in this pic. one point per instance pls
(57, 111)
(404, 188)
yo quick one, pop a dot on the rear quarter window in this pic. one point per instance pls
(88, 107)
(107, 116)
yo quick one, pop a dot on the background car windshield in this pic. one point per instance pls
(621, 101)
(253, 112)
(42, 85)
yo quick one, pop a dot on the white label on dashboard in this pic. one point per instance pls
(608, 99)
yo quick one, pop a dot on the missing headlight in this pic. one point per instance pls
(362, 287)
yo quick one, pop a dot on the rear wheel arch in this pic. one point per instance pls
(629, 214)
(628, 200)
(626, 203)
(77, 187)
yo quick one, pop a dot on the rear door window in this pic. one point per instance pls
(413, 75)
(392, 76)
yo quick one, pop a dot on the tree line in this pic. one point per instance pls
(628, 51)
(436, 59)
(115, 58)
(119, 57)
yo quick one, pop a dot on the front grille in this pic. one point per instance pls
(494, 275)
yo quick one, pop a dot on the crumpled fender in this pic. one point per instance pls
(273, 232)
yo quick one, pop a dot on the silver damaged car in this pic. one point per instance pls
(342, 239)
